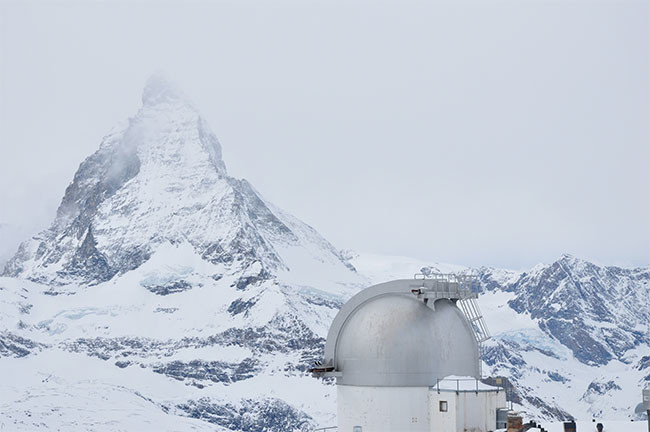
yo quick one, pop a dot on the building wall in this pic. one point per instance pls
(479, 411)
(416, 409)
(440, 421)
(468, 411)
(378, 409)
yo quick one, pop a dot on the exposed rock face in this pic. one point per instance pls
(12, 345)
(587, 331)
(254, 416)
(165, 282)
(160, 271)
(599, 313)
(159, 178)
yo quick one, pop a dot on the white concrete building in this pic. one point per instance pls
(406, 358)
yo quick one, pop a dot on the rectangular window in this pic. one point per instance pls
(443, 406)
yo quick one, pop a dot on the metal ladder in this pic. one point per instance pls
(469, 307)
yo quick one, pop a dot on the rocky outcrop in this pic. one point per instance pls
(159, 179)
(597, 312)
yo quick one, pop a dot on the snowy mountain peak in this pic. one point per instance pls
(160, 89)
(567, 257)
(160, 179)
(578, 302)
(571, 260)
(185, 278)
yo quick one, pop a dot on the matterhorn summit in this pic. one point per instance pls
(166, 292)
(168, 295)
(160, 89)
(159, 180)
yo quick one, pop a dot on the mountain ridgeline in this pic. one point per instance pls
(586, 348)
(160, 178)
(183, 298)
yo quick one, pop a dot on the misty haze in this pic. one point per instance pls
(287, 216)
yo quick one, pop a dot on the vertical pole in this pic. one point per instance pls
(649, 420)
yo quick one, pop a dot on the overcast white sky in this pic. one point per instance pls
(481, 133)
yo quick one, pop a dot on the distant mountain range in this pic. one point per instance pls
(168, 295)
(586, 348)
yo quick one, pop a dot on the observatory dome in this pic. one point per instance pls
(394, 339)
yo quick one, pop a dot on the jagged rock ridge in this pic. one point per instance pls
(160, 178)
(599, 313)
(167, 282)
(160, 271)
(586, 331)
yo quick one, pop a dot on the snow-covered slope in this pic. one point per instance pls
(167, 295)
(159, 179)
(166, 289)
(571, 336)
(382, 268)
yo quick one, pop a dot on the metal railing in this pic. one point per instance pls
(467, 281)
(456, 385)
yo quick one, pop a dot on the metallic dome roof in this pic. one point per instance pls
(386, 336)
